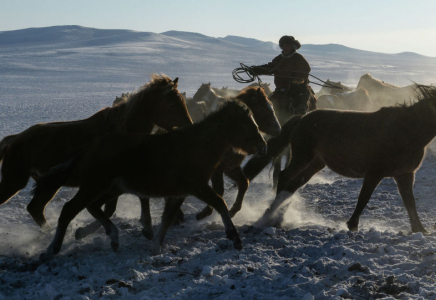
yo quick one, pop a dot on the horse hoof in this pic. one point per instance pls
(148, 234)
(45, 257)
(79, 233)
(115, 246)
(45, 228)
(238, 245)
(155, 249)
(233, 212)
(352, 227)
(203, 214)
(420, 229)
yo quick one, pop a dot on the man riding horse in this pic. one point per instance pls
(288, 68)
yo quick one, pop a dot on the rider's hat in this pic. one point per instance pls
(289, 40)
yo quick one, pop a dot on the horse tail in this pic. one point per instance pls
(4, 145)
(276, 146)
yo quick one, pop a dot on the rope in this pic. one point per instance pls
(252, 76)
(247, 70)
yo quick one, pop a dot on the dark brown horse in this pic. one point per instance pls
(178, 163)
(33, 152)
(263, 113)
(390, 142)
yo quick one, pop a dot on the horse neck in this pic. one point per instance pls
(425, 118)
(212, 135)
(138, 119)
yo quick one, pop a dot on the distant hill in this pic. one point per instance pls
(85, 36)
(196, 53)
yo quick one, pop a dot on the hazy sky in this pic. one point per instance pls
(384, 25)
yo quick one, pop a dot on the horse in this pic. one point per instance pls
(33, 152)
(385, 94)
(332, 88)
(357, 99)
(390, 142)
(118, 100)
(263, 114)
(208, 95)
(178, 163)
(266, 87)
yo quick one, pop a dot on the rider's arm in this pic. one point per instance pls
(267, 69)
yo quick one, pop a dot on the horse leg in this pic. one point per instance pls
(172, 206)
(145, 220)
(292, 186)
(38, 203)
(239, 177)
(368, 187)
(276, 172)
(13, 180)
(405, 187)
(68, 213)
(300, 161)
(103, 219)
(110, 205)
(218, 185)
(210, 197)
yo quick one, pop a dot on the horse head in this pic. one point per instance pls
(242, 129)
(165, 101)
(262, 108)
(207, 94)
(298, 95)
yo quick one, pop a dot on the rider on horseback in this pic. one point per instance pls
(288, 67)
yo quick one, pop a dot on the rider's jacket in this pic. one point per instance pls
(286, 69)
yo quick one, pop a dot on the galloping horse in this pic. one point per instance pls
(33, 152)
(390, 142)
(178, 163)
(263, 113)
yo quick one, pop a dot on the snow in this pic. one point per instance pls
(313, 255)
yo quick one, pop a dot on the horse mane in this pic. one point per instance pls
(118, 114)
(231, 108)
(157, 81)
(250, 89)
(424, 95)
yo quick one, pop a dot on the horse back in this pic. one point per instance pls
(354, 143)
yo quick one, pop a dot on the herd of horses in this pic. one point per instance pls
(116, 151)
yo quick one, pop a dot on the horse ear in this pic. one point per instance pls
(209, 83)
(176, 82)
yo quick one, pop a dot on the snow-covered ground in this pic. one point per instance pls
(313, 256)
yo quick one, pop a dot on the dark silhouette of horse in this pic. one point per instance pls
(33, 152)
(178, 163)
(263, 113)
(390, 142)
